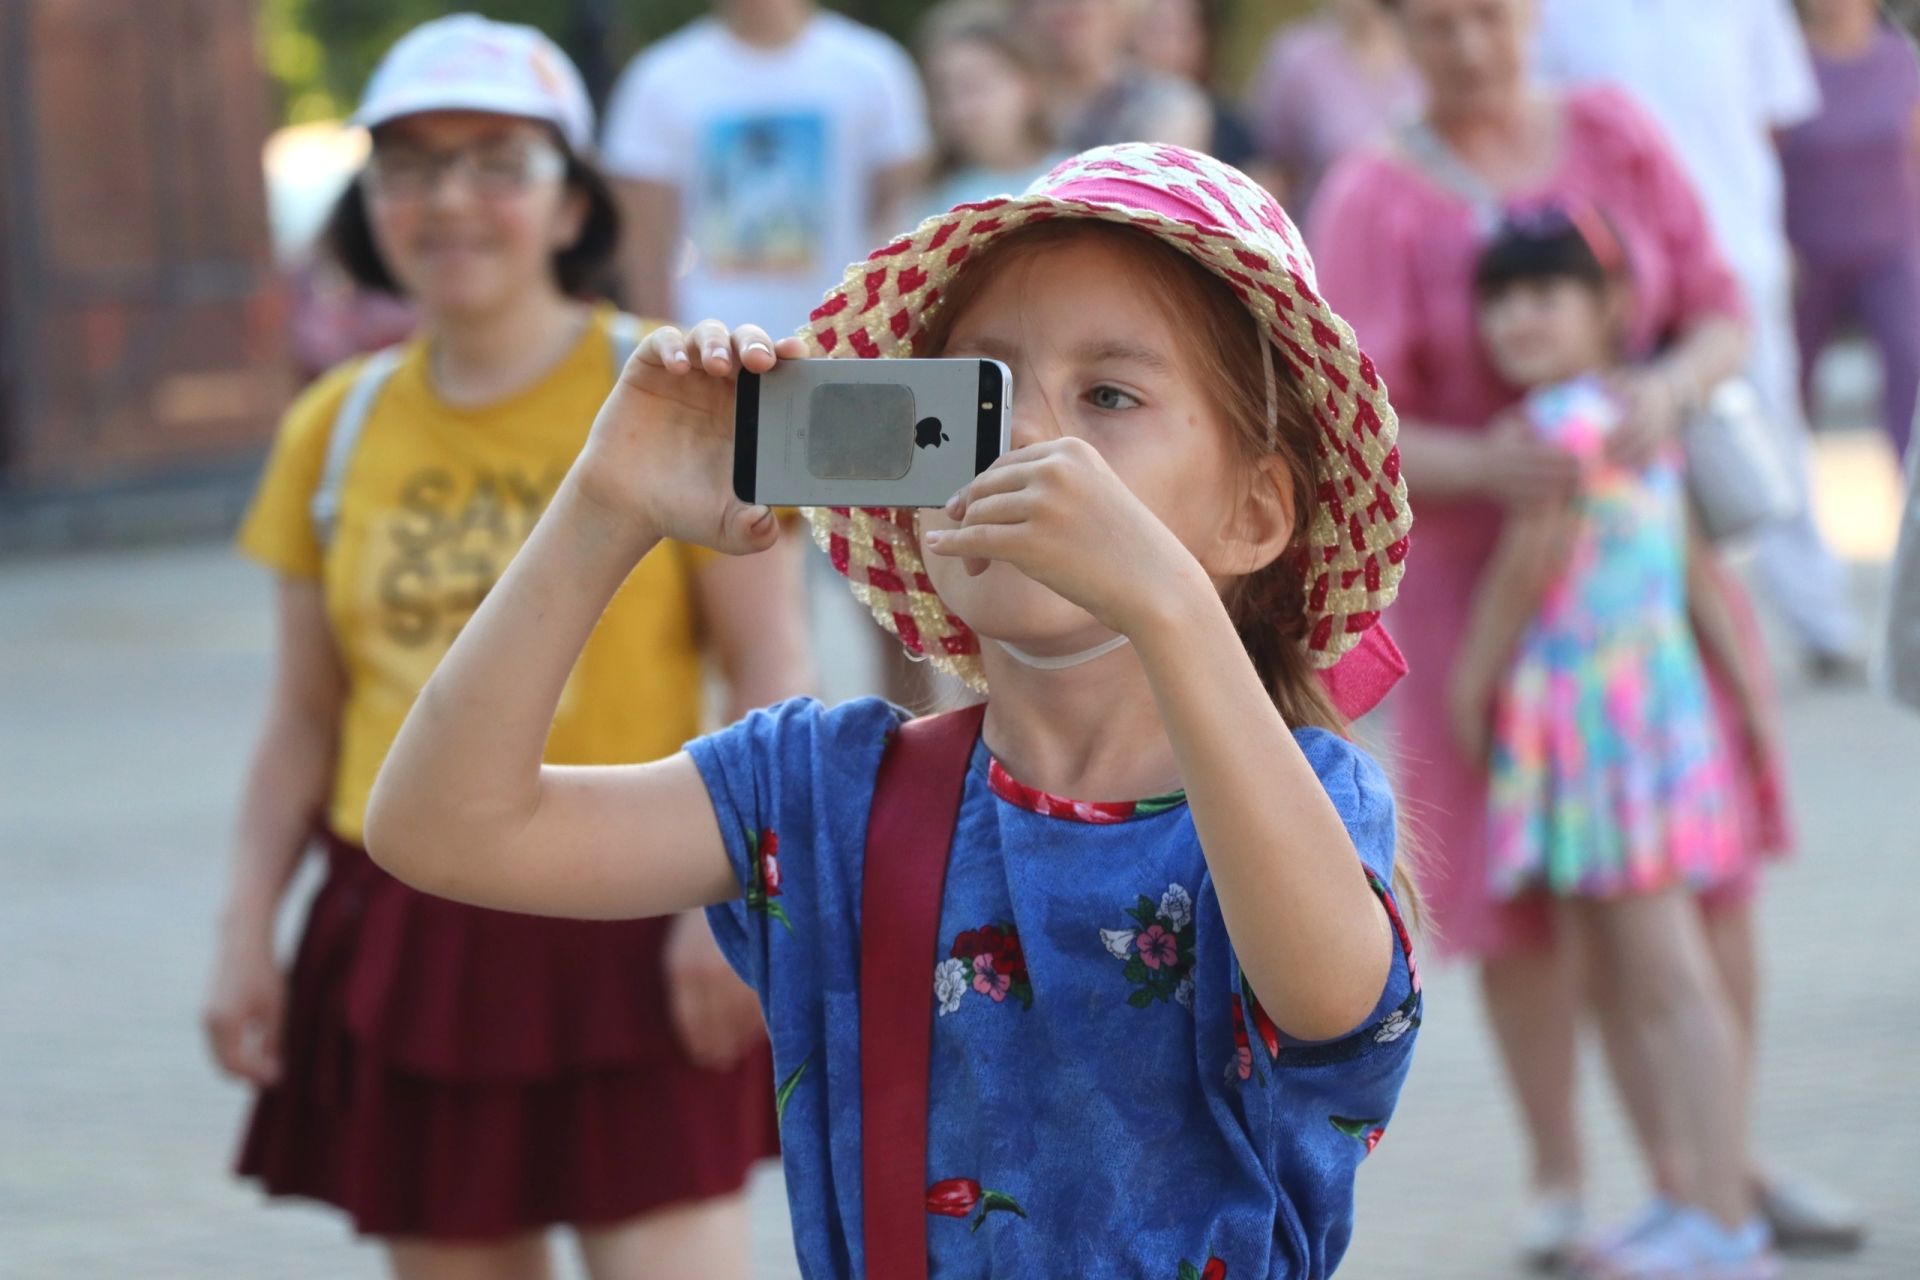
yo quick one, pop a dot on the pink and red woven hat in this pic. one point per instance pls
(1357, 544)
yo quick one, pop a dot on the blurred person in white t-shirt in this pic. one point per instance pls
(757, 151)
(1723, 77)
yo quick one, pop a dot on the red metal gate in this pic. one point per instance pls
(139, 322)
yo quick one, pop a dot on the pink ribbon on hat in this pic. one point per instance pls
(1363, 678)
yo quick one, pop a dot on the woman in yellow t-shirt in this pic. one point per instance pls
(455, 1079)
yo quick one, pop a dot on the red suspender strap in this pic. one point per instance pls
(916, 799)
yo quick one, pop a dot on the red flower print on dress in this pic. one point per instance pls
(770, 863)
(988, 960)
(959, 1197)
(1243, 1004)
(953, 1198)
(1269, 1033)
(1000, 942)
(1158, 947)
(1367, 1131)
(1158, 950)
(1214, 1270)
(763, 871)
(986, 981)
(1242, 1063)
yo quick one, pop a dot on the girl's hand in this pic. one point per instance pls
(1518, 469)
(1057, 512)
(246, 1008)
(716, 1015)
(1655, 412)
(661, 453)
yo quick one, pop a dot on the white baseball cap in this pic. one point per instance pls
(465, 62)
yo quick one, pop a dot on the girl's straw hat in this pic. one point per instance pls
(1358, 540)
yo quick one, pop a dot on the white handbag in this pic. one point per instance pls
(1740, 478)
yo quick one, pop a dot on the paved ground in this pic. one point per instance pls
(129, 687)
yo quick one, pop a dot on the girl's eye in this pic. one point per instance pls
(1105, 396)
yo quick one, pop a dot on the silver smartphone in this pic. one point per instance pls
(867, 433)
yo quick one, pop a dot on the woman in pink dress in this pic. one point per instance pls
(1397, 229)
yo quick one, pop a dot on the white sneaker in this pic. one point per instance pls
(1550, 1229)
(1596, 1252)
(1692, 1245)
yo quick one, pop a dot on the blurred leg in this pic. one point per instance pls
(1730, 942)
(1888, 302)
(708, 1239)
(1533, 1003)
(1663, 1011)
(1800, 574)
(521, 1258)
(1736, 961)
(1820, 297)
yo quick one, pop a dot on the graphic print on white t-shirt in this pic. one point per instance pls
(773, 154)
(761, 195)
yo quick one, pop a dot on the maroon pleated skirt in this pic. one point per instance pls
(456, 1073)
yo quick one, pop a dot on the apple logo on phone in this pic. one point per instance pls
(927, 434)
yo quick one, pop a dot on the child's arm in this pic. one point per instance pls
(285, 800)
(1718, 637)
(1533, 550)
(1311, 936)
(463, 807)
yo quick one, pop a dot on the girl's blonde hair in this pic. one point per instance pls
(1221, 342)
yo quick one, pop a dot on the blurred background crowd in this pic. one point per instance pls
(196, 232)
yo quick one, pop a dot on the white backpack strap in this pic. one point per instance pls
(624, 333)
(348, 425)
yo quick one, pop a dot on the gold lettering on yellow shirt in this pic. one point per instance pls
(446, 542)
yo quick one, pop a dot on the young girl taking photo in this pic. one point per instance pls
(1581, 683)
(1166, 1022)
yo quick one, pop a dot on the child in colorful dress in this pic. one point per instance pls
(1581, 683)
(1164, 1032)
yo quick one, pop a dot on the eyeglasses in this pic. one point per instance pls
(400, 172)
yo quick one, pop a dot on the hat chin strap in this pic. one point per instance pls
(1065, 660)
(1272, 385)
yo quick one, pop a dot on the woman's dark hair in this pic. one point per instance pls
(579, 269)
(1550, 242)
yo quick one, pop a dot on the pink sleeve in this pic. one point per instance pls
(1703, 285)
(1363, 268)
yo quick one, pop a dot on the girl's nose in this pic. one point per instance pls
(1033, 420)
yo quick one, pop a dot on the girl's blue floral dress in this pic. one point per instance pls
(1107, 1096)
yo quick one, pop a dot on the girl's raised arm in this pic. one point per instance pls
(464, 808)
